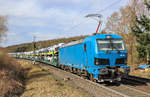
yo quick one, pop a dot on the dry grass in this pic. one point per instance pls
(9, 63)
(141, 73)
(42, 84)
(10, 76)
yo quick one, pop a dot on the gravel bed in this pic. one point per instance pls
(95, 90)
(141, 86)
(131, 92)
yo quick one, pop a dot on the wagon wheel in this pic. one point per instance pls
(92, 78)
(79, 72)
(74, 70)
(71, 69)
(62, 67)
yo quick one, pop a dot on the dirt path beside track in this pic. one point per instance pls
(40, 83)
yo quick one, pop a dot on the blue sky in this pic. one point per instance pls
(50, 19)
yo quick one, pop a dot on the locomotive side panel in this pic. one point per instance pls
(72, 56)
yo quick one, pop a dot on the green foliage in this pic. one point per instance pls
(147, 4)
(141, 30)
(144, 39)
(141, 52)
(148, 49)
(21, 49)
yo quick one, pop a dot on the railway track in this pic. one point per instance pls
(140, 80)
(96, 89)
(130, 91)
(138, 85)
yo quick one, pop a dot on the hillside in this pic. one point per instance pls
(41, 44)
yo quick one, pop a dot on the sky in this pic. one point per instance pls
(52, 19)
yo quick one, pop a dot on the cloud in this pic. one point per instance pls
(22, 8)
(31, 13)
(72, 2)
(30, 9)
(51, 19)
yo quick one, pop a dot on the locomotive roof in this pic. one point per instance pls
(103, 36)
(93, 37)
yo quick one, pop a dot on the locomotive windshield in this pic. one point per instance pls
(112, 44)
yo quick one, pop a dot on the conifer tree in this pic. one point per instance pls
(141, 30)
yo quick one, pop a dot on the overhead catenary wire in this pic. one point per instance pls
(76, 25)
(111, 5)
(106, 8)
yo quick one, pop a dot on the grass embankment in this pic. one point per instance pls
(40, 83)
(141, 73)
(11, 76)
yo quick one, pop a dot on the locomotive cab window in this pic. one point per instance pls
(113, 44)
(85, 47)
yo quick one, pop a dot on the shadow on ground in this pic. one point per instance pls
(132, 81)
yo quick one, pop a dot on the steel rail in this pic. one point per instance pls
(139, 80)
(140, 91)
(96, 84)
(99, 85)
(135, 88)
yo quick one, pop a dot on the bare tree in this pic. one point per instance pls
(122, 21)
(3, 27)
(113, 23)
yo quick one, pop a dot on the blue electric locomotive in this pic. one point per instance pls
(101, 57)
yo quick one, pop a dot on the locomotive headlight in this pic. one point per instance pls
(108, 36)
(96, 61)
(125, 61)
(122, 55)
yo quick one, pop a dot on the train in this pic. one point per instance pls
(100, 57)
